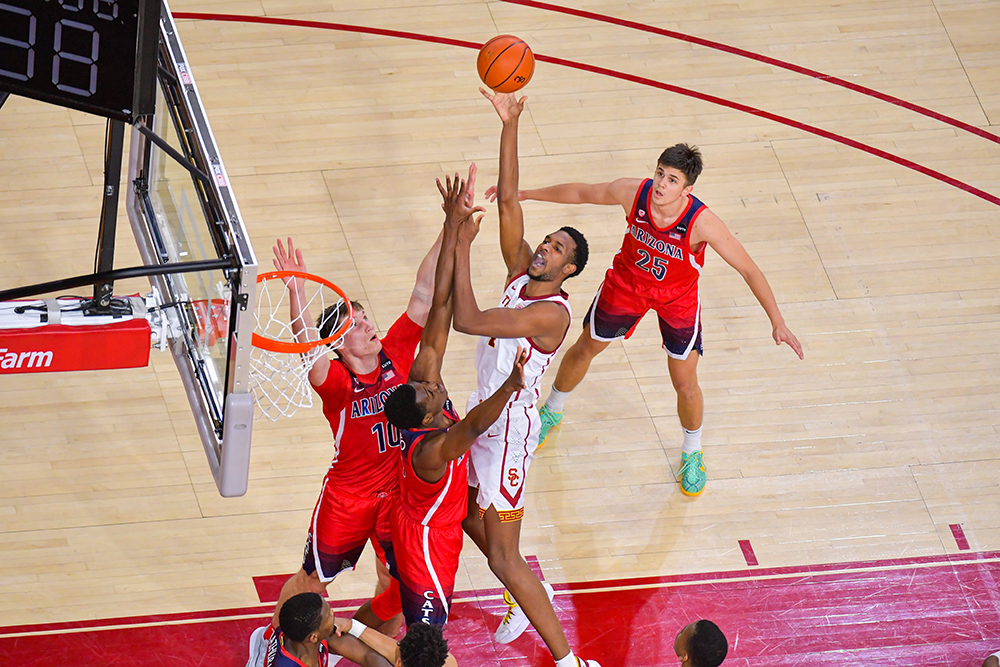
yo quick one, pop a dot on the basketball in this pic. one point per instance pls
(505, 64)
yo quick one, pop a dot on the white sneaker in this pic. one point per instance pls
(515, 621)
(258, 647)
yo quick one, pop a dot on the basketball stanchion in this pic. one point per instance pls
(287, 341)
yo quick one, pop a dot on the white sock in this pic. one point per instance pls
(568, 661)
(692, 441)
(556, 400)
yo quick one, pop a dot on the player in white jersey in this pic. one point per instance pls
(501, 457)
(534, 313)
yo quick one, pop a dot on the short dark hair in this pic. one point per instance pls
(685, 159)
(708, 646)
(582, 251)
(401, 408)
(332, 318)
(423, 646)
(301, 615)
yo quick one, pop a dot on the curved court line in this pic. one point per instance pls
(798, 69)
(344, 27)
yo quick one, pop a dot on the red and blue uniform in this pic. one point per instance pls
(361, 485)
(427, 532)
(278, 655)
(655, 269)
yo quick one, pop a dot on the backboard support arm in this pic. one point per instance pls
(104, 261)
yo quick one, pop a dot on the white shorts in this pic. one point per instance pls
(500, 458)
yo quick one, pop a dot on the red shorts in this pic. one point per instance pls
(424, 561)
(617, 309)
(341, 525)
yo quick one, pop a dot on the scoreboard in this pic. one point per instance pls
(97, 56)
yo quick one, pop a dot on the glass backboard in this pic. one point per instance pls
(178, 215)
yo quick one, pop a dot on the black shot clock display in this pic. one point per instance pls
(97, 56)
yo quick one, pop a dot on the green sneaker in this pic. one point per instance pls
(692, 475)
(549, 420)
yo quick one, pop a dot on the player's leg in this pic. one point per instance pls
(533, 598)
(473, 524)
(505, 561)
(682, 342)
(384, 607)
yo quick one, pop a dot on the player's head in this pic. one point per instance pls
(415, 404)
(423, 646)
(360, 341)
(561, 255)
(306, 618)
(684, 159)
(701, 644)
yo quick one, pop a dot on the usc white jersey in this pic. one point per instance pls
(495, 356)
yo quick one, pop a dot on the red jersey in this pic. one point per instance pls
(659, 261)
(366, 446)
(444, 503)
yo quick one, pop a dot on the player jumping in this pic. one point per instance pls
(658, 268)
(427, 523)
(361, 485)
(533, 314)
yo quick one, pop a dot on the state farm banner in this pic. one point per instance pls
(59, 348)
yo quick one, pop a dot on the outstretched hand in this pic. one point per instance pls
(782, 334)
(288, 261)
(469, 229)
(515, 381)
(458, 197)
(507, 105)
(491, 194)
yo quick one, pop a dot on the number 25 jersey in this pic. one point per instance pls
(658, 262)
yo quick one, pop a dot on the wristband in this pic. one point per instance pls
(357, 627)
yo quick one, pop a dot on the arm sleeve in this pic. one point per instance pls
(400, 343)
(336, 389)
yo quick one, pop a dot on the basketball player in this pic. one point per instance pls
(307, 636)
(658, 268)
(427, 522)
(361, 484)
(533, 314)
(992, 660)
(701, 644)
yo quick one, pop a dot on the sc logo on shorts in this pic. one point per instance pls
(513, 478)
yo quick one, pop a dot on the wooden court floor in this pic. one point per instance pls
(873, 447)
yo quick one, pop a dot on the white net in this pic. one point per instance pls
(279, 371)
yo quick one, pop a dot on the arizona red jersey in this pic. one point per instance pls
(658, 260)
(443, 503)
(278, 656)
(366, 446)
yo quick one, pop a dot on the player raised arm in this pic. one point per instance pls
(538, 321)
(355, 649)
(300, 318)
(430, 460)
(457, 207)
(621, 192)
(516, 251)
(710, 229)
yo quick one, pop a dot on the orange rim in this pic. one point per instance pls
(272, 345)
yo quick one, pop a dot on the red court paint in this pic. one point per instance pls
(535, 567)
(910, 106)
(939, 610)
(748, 555)
(956, 530)
(871, 150)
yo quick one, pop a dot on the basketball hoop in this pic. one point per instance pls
(285, 349)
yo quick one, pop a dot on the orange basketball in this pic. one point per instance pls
(505, 64)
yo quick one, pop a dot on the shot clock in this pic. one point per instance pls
(97, 56)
